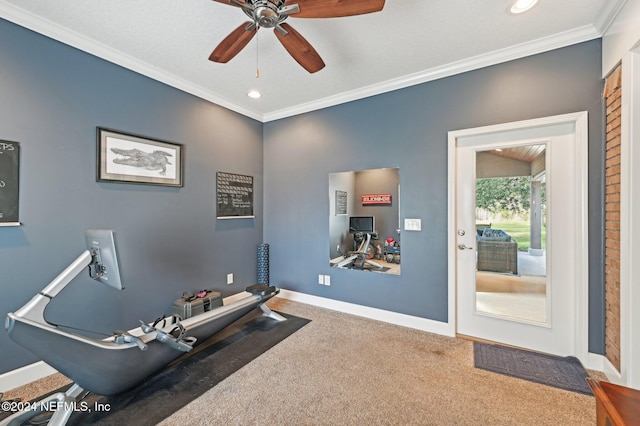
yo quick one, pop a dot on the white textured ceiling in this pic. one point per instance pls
(409, 42)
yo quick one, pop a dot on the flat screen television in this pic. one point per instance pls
(362, 224)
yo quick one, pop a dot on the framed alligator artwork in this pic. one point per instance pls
(129, 158)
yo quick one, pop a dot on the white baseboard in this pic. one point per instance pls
(418, 323)
(23, 375)
(612, 372)
(595, 362)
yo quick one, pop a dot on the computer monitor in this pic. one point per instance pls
(104, 267)
(365, 224)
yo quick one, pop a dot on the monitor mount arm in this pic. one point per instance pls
(34, 309)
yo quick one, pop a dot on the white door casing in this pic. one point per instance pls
(629, 374)
(567, 143)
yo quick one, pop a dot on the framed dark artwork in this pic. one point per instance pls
(341, 203)
(9, 182)
(128, 158)
(234, 196)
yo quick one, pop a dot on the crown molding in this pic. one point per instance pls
(78, 41)
(608, 14)
(71, 38)
(533, 47)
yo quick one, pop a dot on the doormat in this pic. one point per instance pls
(192, 375)
(561, 372)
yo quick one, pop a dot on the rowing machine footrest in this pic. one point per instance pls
(261, 289)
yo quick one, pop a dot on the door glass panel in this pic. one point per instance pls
(511, 207)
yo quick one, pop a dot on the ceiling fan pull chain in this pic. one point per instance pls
(257, 54)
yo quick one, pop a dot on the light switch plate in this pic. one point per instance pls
(413, 224)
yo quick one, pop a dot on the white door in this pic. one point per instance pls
(562, 327)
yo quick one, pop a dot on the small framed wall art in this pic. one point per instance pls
(341, 203)
(128, 158)
(234, 196)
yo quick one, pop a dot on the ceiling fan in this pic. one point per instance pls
(273, 13)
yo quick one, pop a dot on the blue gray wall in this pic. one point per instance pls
(169, 240)
(408, 129)
(54, 96)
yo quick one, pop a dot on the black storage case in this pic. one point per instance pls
(189, 305)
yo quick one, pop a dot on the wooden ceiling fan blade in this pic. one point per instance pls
(336, 8)
(233, 43)
(299, 48)
(238, 3)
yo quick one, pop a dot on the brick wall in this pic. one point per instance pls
(612, 95)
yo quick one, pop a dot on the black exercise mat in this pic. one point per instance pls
(190, 376)
(561, 372)
(369, 269)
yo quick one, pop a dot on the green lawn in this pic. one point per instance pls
(520, 232)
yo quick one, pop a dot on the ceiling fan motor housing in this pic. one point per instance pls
(265, 13)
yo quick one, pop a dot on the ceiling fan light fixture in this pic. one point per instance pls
(254, 94)
(521, 6)
(266, 17)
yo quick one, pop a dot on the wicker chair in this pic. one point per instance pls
(497, 251)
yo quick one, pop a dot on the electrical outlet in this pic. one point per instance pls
(321, 279)
(229, 278)
(327, 280)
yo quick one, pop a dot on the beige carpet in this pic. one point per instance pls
(345, 370)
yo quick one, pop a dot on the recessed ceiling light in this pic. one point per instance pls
(521, 6)
(254, 94)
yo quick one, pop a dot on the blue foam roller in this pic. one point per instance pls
(263, 263)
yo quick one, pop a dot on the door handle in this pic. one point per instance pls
(462, 247)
